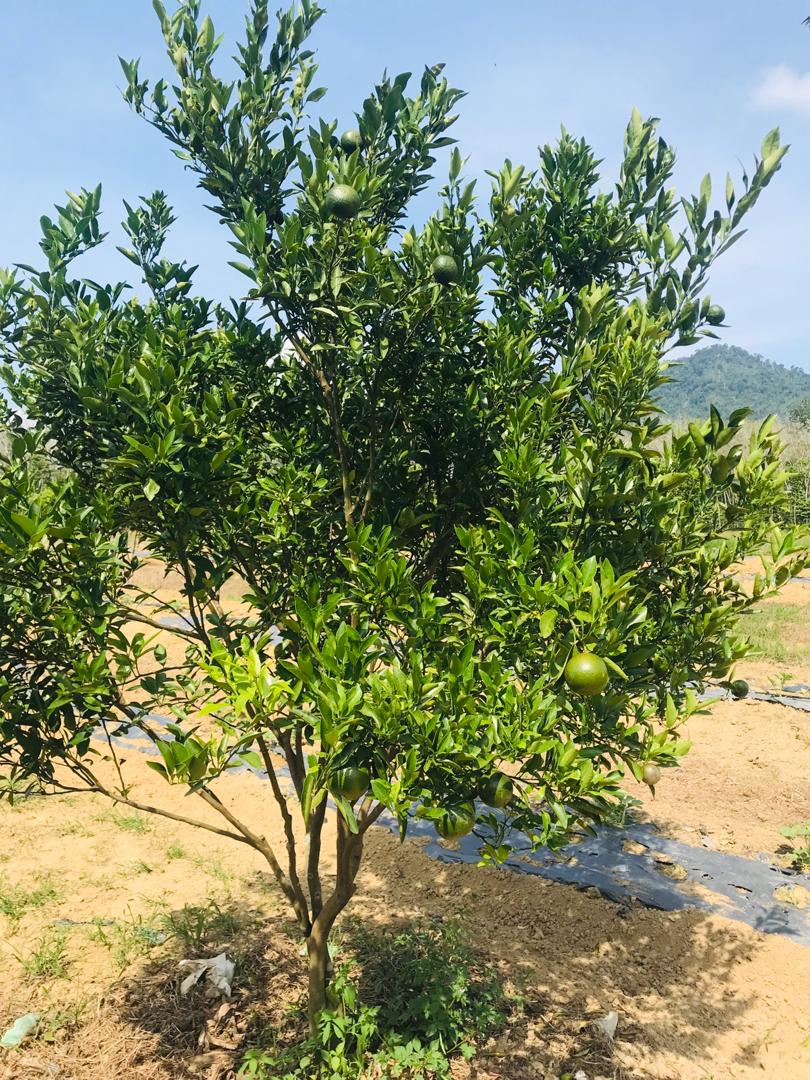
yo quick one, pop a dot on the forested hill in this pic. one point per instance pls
(730, 377)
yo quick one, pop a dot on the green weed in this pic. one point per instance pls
(800, 857)
(134, 822)
(420, 1000)
(771, 631)
(15, 900)
(214, 868)
(197, 924)
(47, 959)
(59, 1022)
(138, 866)
(128, 939)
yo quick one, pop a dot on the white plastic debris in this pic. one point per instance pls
(217, 969)
(607, 1025)
(580, 1074)
(22, 1026)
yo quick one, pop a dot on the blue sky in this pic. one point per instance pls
(719, 75)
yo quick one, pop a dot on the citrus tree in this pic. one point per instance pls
(481, 580)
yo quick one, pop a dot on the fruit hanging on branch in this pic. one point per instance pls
(497, 790)
(350, 782)
(351, 141)
(586, 674)
(445, 270)
(715, 316)
(455, 821)
(651, 774)
(342, 201)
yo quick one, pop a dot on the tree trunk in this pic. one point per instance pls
(318, 954)
(349, 854)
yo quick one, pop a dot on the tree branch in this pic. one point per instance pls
(262, 846)
(331, 407)
(289, 833)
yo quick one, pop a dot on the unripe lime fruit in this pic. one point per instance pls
(497, 790)
(342, 201)
(456, 821)
(739, 688)
(350, 782)
(444, 269)
(351, 140)
(715, 315)
(586, 674)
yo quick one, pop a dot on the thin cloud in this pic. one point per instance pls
(782, 87)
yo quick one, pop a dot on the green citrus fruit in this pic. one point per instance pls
(497, 790)
(651, 774)
(351, 782)
(715, 315)
(351, 140)
(444, 269)
(342, 201)
(455, 821)
(738, 688)
(586, 674)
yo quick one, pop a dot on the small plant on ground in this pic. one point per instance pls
(56, 1023)
(427, 984)
(135, 823)
(130, 938)
(774, 631)
(137, 866)
(175, 851)
(15, 900)
(195, 925)
(47, 958)
(406, 1006)
(213, 868)
(800, 835)
(781, 679)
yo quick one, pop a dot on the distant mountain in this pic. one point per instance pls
(730, 378)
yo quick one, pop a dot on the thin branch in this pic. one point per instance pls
(116, 762)
(261, 845)
(137, 616)
(289, 833)
(195, 611)
(293, 763)
(96, 787)
(368, 815)
(331, 407)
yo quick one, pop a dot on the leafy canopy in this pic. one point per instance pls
(429, 496)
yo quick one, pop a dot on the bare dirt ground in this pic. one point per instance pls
(98, 904)
(744, 778)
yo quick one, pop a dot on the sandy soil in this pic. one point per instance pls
(744, 778)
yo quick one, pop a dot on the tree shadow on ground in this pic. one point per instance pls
(570, 955)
